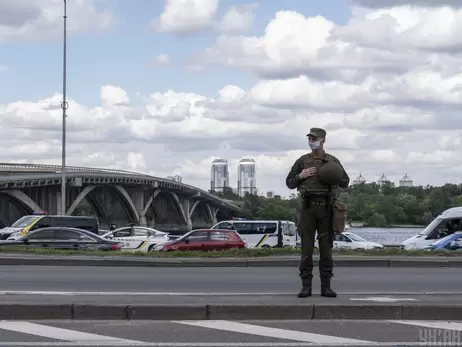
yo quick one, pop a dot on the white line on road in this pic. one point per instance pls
(444, 325)
(222, 344)
(94, 293)
(270, 332)
(61, 334)
(383, 299)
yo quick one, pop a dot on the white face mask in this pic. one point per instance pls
(315, 145)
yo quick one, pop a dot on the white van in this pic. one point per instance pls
(445, 224)
(263, 233)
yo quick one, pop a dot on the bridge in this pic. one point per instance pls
(114, 196)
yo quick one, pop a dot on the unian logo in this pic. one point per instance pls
(432, 337)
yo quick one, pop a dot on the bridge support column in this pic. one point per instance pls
(57, 204)
(187, 213)
(213, 214)
(140, 208)
(143, 221)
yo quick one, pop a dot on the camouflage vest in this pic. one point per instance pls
(312, 186)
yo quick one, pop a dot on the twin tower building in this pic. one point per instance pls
(246, 180)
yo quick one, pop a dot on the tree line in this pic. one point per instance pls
(368, 203)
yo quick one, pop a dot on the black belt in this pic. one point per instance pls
(317, 200)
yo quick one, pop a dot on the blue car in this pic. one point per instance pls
(451, 242)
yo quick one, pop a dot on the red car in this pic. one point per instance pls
(204, 240)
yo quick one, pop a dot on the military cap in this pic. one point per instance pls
(317, 132)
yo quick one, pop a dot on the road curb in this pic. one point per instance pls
(231, 312)
(339, 261)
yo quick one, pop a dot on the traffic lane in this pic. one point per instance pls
(223, 280)
(223, 333)
(239, 300)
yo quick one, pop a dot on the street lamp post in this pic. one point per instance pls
(64, 106)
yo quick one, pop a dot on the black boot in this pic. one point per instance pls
(326, 290)
(306, 290)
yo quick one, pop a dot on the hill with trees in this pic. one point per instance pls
(368, 203)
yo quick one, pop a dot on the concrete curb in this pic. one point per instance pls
(231, 312)
(282, 261)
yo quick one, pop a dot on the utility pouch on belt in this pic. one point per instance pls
(339, 215)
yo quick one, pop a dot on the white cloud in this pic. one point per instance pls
(163, 59)
(190, 16)
(3, 68)
(114, 96)
(389, 99)
(25, 20)
(393, 41)
(422, 3)
(185, 16)
(238, 19)
(181, 133)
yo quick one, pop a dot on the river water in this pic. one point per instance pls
(386, 236)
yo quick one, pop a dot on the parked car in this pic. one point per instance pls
(452, 242)
(136, 238)
(349, 240)
(204, 240)
(29, 223)
(64, 238)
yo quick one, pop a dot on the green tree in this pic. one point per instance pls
(368, 203)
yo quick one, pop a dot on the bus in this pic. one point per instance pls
(263, 233)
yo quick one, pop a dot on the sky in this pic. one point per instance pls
(165, 87)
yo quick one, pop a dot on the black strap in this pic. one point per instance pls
(330, 217)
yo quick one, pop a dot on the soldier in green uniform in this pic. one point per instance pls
(317, 176)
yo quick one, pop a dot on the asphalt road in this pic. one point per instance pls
(230, 333)
(224, 280)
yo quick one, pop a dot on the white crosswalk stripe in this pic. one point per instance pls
(272, 332)
(247, 331)
(60, 334)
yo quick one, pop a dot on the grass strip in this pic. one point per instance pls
(234, 253)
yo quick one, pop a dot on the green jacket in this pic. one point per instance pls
(311, 185)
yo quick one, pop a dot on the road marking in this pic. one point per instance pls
(60, 334)
(270, 332)
(383, 299)
(222, 344)
(432, 324)
(69, 293)
(63, 293)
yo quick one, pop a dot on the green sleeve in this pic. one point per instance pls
(345, 178)
(293, 178)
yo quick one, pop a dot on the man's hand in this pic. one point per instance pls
(307, 173)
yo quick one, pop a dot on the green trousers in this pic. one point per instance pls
(314, 217)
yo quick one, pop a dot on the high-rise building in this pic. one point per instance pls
(219, 175)
(246, 179)
(406, 181)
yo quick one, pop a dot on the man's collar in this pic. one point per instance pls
(319, 156)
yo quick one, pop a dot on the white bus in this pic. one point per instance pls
(263, 233)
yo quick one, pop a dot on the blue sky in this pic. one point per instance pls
(123, 55)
